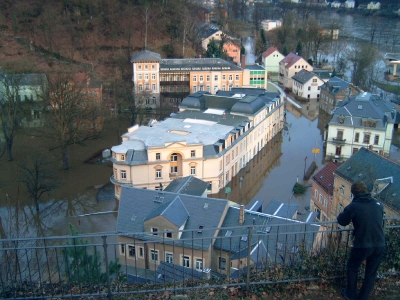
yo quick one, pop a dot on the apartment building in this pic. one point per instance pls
(211, 138)
(290, 66)
(166, 82)
(365, 120)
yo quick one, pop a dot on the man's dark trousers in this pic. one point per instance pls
(373, 257)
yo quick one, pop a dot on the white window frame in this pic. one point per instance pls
(154, 230)
(123, 174)
(158, 156)
(169, 257)
(193, 170)
(199, 264)
(192, 153)
(158, 173)
(154, 255)
(186, 261)
(129, 251)
(174, 157)
(122, 249)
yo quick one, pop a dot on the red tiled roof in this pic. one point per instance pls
(291, 59)
(269, 51)
(324, 178)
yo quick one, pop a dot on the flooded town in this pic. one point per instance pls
(185, 138)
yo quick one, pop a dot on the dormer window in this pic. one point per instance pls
(122, 157)
(154, 231)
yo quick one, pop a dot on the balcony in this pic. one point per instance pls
(186, 82)
(47, 267)
(119, 182)
(338, 141)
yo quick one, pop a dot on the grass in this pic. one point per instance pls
(395, 89)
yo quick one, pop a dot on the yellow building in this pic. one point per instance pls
(211, 138)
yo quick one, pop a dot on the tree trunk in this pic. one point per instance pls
(65, 165)
(9, 148)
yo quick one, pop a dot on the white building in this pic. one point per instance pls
(349, 4)
(336, 4)
(374, 5)
(307, 85)
(365, 120)
(212, 138)
(289, 66)
(268, 25)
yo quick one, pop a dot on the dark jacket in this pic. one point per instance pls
(366, 213)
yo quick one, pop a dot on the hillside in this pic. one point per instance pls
(97, 35)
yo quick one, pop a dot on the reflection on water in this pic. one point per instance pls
(250, 179)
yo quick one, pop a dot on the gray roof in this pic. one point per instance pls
(335, 85)
(167, 272)
(136, 204)
(280, 209)
(254, 67)
(304, 76)
(174, 211)
(364, 106)
(323, 73)
(189, 185)
(195, 64)
(269, 229)
(368, 166)
(145, 55)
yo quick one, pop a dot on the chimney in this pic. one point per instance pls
(241, 215)
(243, 61)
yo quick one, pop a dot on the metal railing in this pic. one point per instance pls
(106, 265)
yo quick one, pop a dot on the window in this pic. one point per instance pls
(193, 153)
(153, 67)
(230, 77)
(146, 76)
(146, 67)
(174, 157)
(174, 169)
(139, 67)
(342, 188)
(168, 235)
(325, 202)
(223, 77)
(158, 173)
(122, 248)
(201, 88)
(309, 88)
(153, 76)
(192, 170)
(163, 78)
(178, 78)
(147, 101)
(195, 78)
(140, 87)
(355, 150)
(169, 258)
(140, 77)
(223, 87)
(339, 135)
(154, 87)
(186, 261)
(208, 77)
(237, 77)
(122, 157)
(316, 194)
(141, 252)
(154, 231)
(123, 174)
(208, 88)
(376, 140)
(131, 251)
(154, 255)
(366, 138)
(357, 137)
(158, 156)
(199, 264)
(215, 77)
(222, 263)
(314, 80)
(147, 87)
(154, 100)
(194, 89)
(320, 198)
(201, 79)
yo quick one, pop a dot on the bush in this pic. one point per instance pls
(299, 189)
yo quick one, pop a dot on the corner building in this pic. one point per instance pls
(211, 138)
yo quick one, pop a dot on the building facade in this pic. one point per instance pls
(333, 92)
(321, 200)
(307, 85)
(271, 58)
(289, 66)
(211, 138)
(366, 120)
(231, 48)
(268, 25)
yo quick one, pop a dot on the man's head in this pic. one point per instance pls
(358, 187)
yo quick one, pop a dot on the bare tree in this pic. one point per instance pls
(67, 119)
(38, 176)
(11, 108)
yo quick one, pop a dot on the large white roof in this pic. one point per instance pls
(191, 131)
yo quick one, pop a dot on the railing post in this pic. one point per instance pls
(109, 294)
(249, 238)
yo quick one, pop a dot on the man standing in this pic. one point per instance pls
(366, 213)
